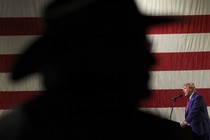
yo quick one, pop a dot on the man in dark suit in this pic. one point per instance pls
(94, 58)
(196, 115)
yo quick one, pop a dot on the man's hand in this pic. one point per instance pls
(183, 124)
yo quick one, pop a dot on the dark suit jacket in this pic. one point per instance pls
(197, 115)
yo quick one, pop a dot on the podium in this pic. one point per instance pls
(185, 133)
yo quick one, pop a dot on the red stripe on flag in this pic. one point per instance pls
(182, 61)
(34, 26)
(197, 24)
(162, 98)
(21, 26)
(14, 98)
(7, 62)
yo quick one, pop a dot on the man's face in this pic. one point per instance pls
(187, 91)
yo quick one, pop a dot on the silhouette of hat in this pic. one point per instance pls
(62, 15)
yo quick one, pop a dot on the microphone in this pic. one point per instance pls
(178, 96)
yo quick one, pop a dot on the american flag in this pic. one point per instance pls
(20, 24)
(182, 51)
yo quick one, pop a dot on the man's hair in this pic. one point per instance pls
(190, 85)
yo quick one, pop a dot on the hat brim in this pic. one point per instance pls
(31, 60)
(34, 58)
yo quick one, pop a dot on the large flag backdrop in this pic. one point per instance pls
(20, 24)
(182, 52)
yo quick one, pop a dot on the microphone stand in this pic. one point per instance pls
(173, 104)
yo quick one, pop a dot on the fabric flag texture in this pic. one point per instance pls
(20, 24)
(182, 51)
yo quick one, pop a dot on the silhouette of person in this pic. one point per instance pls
(94, 58)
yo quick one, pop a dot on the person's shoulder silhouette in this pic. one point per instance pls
(95, 65)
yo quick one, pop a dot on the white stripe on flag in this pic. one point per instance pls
(174, 7)
(166, 112)
(177, 113)
(180, 42)
(30, 83)
(175, 79)
(15, 44)
(22, 8)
